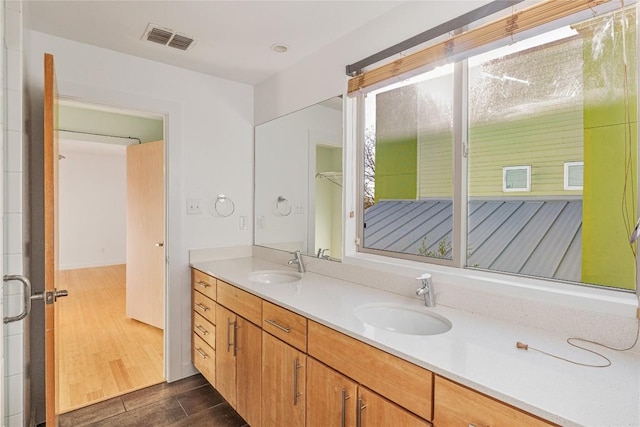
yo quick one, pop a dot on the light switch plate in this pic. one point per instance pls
(194, 207)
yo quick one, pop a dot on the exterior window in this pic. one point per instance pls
(554, 103)
(409, 167)
(573, 175)
(516, 178)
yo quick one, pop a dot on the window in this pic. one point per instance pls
(516, 178)
(573, 175)
(551, 104)
(409, 127)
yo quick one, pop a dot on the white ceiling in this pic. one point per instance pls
(234, 38)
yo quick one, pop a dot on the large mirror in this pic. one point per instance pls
(298, 181)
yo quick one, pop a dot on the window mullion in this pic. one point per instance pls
(460, 155)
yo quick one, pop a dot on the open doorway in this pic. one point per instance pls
(110, 336)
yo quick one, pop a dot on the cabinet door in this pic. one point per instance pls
(376, 411)
(248, 370)
(456, 405)
(225, 354)
(283, 383)
(331, 397)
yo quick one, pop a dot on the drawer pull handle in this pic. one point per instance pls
(295, 381)
(201, 353)
(201, 329)
(345, 397)
(202, 284)
(361, 406)
(286, 329)
(202, 306)
(235, 336)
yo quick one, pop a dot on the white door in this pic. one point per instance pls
(145, 233)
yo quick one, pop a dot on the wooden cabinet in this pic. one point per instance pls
(204, 283)
(376, 411)
(456, 405)
(331, 397)
(335, 400)
(240, 302)
(402, 382)
(284, 324)
(203, 323)
(204, 306)
(238, 362)
(283, 383)
(226, 357)
(204, 358)
(277, 368)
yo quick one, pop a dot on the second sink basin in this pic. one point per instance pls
(402, 319)
(275, 276)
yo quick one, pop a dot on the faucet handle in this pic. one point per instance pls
(425, 278)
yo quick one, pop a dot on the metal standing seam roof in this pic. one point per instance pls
(533, 237)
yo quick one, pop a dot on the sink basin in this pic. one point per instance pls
(275, 276)
(402, 319)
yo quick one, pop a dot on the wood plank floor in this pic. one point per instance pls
(189, 402)
(100, 352)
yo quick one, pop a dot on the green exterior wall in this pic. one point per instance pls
(607, 258)
(396, 145)
(544, 142)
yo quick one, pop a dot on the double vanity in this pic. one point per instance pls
(289, 348)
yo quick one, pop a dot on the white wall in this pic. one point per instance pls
(13, 213)
(93, 206)
(322, 75)
(209, 144)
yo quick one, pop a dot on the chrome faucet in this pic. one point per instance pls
(321, 253)
(297, 259)
(427, 290)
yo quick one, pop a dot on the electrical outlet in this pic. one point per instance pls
(298, 208)
(193, 207)
(243, 222)
(260, 222)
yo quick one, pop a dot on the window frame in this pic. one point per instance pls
(506, 169)
(457, 266)
(567, 186)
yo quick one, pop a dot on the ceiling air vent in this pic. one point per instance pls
(168, 37)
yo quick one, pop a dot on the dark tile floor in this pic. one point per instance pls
(189, 402)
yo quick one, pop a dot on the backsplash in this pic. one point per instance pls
(609, 329)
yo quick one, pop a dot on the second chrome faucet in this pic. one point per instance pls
(297, 259)
(426, 290)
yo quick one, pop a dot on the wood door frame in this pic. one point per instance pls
(175, 367)
(177, 333)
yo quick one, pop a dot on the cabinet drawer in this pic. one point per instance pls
(204, 359)
(205, 329)
(284, 324)
(408, 385)
(204, 307)
(240, 302)
(203, 283)
(456, 405)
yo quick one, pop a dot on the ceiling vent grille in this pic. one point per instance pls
(168, 37)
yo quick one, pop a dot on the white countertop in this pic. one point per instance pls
(479, 352)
